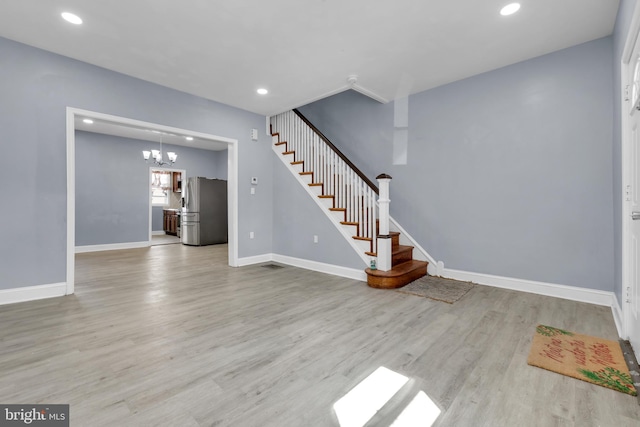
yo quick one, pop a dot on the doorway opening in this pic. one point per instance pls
(165, 204)
(75, 115)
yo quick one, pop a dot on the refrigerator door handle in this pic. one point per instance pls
(185, 201)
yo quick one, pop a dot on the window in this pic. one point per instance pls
(160, 186)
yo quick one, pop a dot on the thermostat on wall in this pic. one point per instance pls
(254, 179)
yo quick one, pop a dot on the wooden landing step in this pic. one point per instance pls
(398, 276)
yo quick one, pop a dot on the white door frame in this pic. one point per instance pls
(232, 180)
(625, 106)
(151, 169)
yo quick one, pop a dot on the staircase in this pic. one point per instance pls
(346, 195)
(404, 268)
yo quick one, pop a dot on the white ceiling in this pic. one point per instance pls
(303, 50)
(146, 134)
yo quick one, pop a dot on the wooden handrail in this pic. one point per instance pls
(338, 152)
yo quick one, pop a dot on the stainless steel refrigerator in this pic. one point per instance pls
(204, 211)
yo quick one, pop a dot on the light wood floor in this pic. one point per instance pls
(171, 336)
(164, 239)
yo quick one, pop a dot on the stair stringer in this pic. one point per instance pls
(366, 259)
(419, 253)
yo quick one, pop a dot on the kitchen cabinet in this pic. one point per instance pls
(177, 182)
(171, 221)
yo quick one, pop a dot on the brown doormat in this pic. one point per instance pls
(584, 357)
(437, 288)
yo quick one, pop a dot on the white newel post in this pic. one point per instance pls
(384, 239)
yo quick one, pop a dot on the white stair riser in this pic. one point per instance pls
(364, 245)
(316, 189)
(297, 167)
(339, 215)
(289, 158)
(280, 148)
(351, 229)
(327, 202)
(308, 179)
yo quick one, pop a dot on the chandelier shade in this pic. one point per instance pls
(156, 155)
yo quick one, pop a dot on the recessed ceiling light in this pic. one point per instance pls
(71, 17)
(510, 9)
(262, 91)
(188, 138)
(88, 121)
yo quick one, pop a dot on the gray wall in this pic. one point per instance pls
(297, 218)
(157, 218)
(509, 172)
(112, 185)
(36, 88)
(623, 22)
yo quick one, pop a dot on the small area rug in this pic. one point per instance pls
(584, 357)
(437, 288)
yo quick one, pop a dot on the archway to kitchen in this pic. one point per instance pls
(229, 144)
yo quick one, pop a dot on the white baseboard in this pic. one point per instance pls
(258, 259)
(336, 270)
(574, 293)
(112, 247)
(30, 293)
(349, 273)
(617, 316)
(158, 233)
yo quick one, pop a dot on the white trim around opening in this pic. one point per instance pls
(232, 180)
(632, 36)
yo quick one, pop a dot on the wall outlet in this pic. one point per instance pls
(251, 235)
(315, 238)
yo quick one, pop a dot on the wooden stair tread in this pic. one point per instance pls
(305, 173)
(399, 276)
(395, 251)
(275, 134)
(401, 248)
(297, 162)
(349, 222)
(281, 143)
(367, 239)
(288, 152)
(326, 196)
(338, 209)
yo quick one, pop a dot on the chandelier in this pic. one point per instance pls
(157, 156)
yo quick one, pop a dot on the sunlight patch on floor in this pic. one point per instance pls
(360, 404)
(421, 411)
